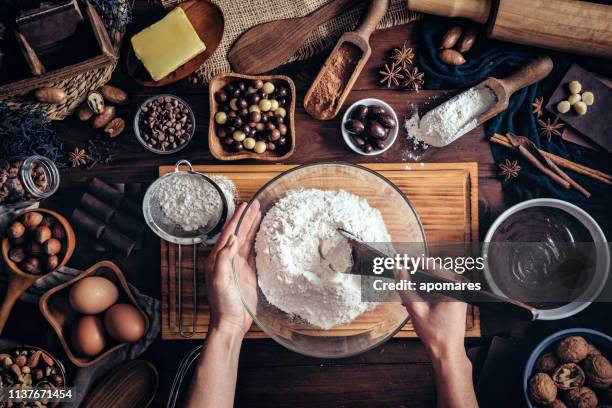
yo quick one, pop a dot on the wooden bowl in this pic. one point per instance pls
(207, 20)
(55, 307)
(214, 143)
(67, 252)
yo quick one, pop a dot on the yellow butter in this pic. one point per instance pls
(166, 45)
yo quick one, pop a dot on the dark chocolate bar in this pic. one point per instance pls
(116, 240)
(105, 191)
(97, 208)
(87, 223)
(127, 225)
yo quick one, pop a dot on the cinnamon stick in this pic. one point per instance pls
(560, 161)
(567, 178)
(533, 160)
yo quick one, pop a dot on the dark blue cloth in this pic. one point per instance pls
(493, 58)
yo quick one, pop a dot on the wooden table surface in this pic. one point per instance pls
(395, 374)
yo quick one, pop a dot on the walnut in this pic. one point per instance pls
(568, 376)
(598, 371)
(557, 404)
(592, 351)
(546, 363)
(572, 349)
(542, 389)
(582, 397)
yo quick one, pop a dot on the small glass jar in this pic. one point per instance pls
(26, 181)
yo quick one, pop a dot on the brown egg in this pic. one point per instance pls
(93, 295)
(124, 323)
(88, 336)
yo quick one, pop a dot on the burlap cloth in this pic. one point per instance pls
(240, 15)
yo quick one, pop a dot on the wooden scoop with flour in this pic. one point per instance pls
(503, 89)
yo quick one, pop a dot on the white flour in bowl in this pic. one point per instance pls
(300, 254)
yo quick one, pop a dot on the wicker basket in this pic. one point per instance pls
(77, 81)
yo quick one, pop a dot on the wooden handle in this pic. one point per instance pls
(476, 10)
(375, 13)
(329, 10)
(531, 73)
(17, 284)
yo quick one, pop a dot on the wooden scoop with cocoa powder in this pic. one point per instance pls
(341, 69)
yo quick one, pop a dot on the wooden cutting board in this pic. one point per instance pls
(445, 196)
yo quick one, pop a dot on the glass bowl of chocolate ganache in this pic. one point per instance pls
(549, 254)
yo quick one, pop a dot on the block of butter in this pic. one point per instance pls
(166, 45)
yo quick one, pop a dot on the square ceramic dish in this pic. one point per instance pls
(55, 307)
(214, 143)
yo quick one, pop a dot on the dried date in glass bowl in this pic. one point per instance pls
(164, 124)
(369, 127)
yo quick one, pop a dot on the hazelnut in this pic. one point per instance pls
(568, 376)
(598, 371)
(32, 219)
(542, 389)
(42, 234)
(31, 265)
(51, 263)
(572, 349)
(47, 222)
(16, 230)
(52, 246)
(582, 397)
(17, 254)
(546, 363)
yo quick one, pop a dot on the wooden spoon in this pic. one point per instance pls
(207, 20)
(264, 47)
(18, 280)
(503, 89)
(359, 38)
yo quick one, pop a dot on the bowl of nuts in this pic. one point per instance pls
(369, 127)
(38, 241)
(27, 366)
(251, 117)
(164, 124)
(570, 368)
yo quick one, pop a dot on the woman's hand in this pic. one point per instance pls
(227, 311)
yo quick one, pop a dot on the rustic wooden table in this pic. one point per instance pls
(397, 373)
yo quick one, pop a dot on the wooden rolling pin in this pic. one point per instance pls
(579, 27)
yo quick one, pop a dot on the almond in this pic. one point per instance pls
(114, 95)
(115, 127)
(467, 40)
(451, 57)
(47, 359)
(451, 37)
(84, 113)
(51, 95)
(101, 120)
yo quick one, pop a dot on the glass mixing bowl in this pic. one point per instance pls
(374, 326)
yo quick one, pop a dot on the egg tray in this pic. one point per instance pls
(55, 307)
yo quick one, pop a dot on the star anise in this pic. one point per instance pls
(391, 75)
(77, 157)
(509, 169)
(414, 79)
(403, 56)
(549, 129)
(538, 104)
